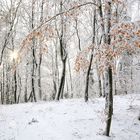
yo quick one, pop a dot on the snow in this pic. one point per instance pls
(71, 119)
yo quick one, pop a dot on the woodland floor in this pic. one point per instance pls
(70, 120)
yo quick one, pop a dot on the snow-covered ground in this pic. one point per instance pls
(70, 120)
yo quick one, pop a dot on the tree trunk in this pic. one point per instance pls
(40, 55)
(99, 81)
(87, 78)
(63, 57)
(62, 81)
(15, 88)
(91, 59)
(109, 102)
(33, 96)
(109, 86)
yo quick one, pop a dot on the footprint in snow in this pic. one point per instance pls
(33, 121)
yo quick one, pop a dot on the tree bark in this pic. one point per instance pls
(33, 96)
(91, 58)
(109, 93)
(63, 57)
(109, 102)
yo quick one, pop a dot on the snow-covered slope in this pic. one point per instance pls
(70, 120)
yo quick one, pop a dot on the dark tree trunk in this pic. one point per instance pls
(87, 78)
(63, 57)
(1, 93)
(100, 86)
(33, 96)
(26, 89)
(39, 75)
(62, 81)
(91, 59)
(109, 102)
(109, 93)
(40, 55)
(15, 88)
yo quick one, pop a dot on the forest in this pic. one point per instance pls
(69, 69)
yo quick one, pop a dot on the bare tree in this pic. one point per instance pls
(63, 54)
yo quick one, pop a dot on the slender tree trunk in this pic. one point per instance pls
(91, 59)
(1, 92)
(87, 79)
(103, 36)
(109, 95)
(56, 74)
(99, 80)
(63, 57)
(15, 83)
(70, 77)
(62, 81)
(109, 102)
(7, 87)
(26, 89)
(132, 76)
(3, 86)
(33, 96)
(40, 55)
(115, 87)
(77, 33)
(20, 88)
